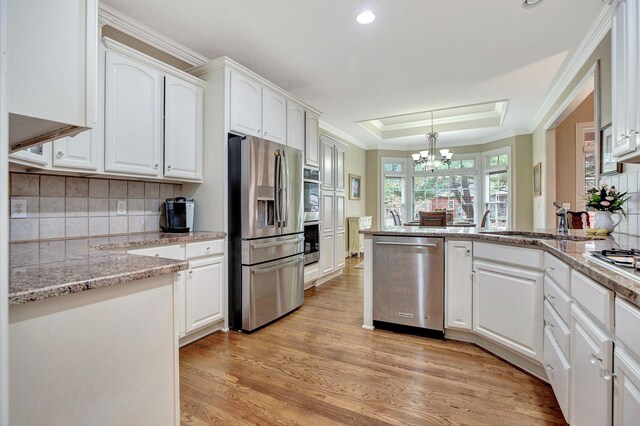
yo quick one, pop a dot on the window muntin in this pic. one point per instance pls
(453, 192)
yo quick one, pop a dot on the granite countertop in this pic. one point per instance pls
(50, 268)
(571, 249)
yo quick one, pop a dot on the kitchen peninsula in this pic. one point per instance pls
(534, 298)
(118, 339)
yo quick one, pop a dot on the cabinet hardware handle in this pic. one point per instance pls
(156, 166)
(60, 154)
(157, 255)
(468, 251)
(169, 168)
(550, 268)
(550, 297)
(622, 137)
(207, 249)
(634, 132)
(595, 358)
(608, 375)
(550, 367)
(548, 324)
(258, 131)
(385, 243)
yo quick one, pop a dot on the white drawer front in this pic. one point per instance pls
(628, 325)
(523, 257)
(559, 271)
(557, 368)
(205, 248)
(594, 298)
(169, 252)
(558, 328)
(560, 300)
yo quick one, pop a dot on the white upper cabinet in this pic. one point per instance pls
(80, 152)
(37, 156)
(183, 129)
(274, 117)
(327, 168)
(52, 71)
(245, 109)
(295, 125)
(339, 165)
(625, 55)
(133, 117)
(312, 140)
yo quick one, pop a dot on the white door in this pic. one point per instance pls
(459, 284)
(340, 250)
(507, 307)
(626, 391)
(38, 156)
(295, 126)
(183, 129)
(591, 356)
(327, 231)
(327, 253)
(274, 117)
(311, 140)
(181, 303)
(327, 219)
(204, 292)
(81, 152)
(339, 168)
(133, 117)
(327, 166)
(245, 108)
(339, 209)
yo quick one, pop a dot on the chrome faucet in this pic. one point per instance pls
(563, 225)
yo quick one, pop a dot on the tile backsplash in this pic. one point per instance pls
(63, 206)
(627, 182)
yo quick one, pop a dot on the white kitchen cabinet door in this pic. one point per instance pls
(339, 168)
(327, 253)
(623, 54)
(183, 129)
(327, 206)
(274, 117)
(591, 356)
(134, 108)
(80, 152)
(459, 285)
(340, 250)
(204, 292)
(181, 303)
(245, 109)
(327, 172)
(312, 140)
(38, 156)
(339, 208)
(626, 389)
(295, 125)
(507, 307)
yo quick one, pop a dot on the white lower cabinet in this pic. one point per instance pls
(459, 285)
(327, 253)
(558, 369)
(340, 250)
(626, 392)
(507, 307)
(591, 366)
(204, 292)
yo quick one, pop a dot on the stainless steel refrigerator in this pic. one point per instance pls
(266, 232)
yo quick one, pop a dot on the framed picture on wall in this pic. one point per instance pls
(537, 180)
(607, 165)
(355, 186)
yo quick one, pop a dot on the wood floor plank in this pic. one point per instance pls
(317, 366)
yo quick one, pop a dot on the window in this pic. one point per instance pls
(450, 187)
(393, 190)
(497, 194)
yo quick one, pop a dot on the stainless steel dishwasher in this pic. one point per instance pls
(408, 281)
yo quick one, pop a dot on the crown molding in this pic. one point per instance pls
(595, 35)
(121, 22)
(331, 130)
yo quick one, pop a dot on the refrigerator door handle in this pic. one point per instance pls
(259, 270)
(285, 191)
(277, 243)
(277, 188)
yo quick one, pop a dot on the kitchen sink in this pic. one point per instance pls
(543, 235)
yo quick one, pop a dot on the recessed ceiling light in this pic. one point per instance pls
(366, 17)
(530, 3)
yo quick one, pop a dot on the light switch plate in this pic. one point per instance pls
(121, 208)
(18, 208)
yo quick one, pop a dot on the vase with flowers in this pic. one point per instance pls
(607, 202)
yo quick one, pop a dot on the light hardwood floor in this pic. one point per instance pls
(318, 366)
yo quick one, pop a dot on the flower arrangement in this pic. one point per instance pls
(607, 200)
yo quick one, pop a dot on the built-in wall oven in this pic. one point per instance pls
(311, 243)
(311, 195)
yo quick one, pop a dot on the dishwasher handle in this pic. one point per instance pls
(389, 243)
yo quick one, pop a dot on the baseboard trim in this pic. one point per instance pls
(199, 334)
(511, 357)
(328, 277)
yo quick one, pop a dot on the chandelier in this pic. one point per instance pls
(429, 157)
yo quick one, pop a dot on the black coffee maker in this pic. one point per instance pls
(178, 215)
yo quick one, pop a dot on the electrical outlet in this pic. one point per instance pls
(566, 206)
(121, 208)
(18, 208)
